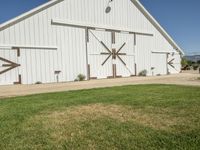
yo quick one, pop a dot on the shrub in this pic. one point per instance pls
(184, 62)
(143, 73)
(80, 77)
(38, 82)
(195, 67)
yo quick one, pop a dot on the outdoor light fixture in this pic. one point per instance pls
(108, 8)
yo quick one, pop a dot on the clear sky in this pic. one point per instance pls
(180, 18)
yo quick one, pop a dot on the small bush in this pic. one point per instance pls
(198, 78)
(143, 73)
(38, 82)
(195, 67)
(80, 77)
(75, 80)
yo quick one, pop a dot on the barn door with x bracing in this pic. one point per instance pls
(110, 54)
(125, 60)
(99, 41)
(174, 63)
(9, 73)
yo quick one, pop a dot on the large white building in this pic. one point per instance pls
(98, 38)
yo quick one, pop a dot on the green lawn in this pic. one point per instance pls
(127, 117)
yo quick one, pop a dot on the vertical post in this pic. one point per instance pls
(88, 73)
(135, 54)
(113, 54)
(114, 71)
(113, 37)
(19, 80)
(86, 49)
(19, 75)
(135, 69)
(57, 78)
(18, 52)
(134, 39)
(167, 57)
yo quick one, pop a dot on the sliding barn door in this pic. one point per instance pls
(110, 54)
(99, 44)
(159, 64)
(125, 54)
(174, 63)
(9, 73)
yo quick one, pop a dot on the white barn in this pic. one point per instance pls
(98, 38)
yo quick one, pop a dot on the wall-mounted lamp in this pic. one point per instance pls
(108, 8)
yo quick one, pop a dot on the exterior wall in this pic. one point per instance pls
(70, 57)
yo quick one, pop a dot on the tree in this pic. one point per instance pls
(190, 62)
(184, 62)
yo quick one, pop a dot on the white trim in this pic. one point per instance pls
(95, 26)
(5, 47)
(165, 52)
(28, 47)
(157, 52)
(157, 25)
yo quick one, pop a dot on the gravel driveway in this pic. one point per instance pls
(19, 90)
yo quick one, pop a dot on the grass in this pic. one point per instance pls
(127, 117)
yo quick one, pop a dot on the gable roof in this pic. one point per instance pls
(157, 25)
(53, 2)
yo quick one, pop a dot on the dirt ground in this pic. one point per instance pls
(185, 78)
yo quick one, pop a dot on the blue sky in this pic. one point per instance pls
(181, 18)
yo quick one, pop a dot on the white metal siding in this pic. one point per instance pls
(70, 58)
(159, 64)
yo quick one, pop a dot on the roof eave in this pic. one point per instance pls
(157, 25)
(28, 14)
